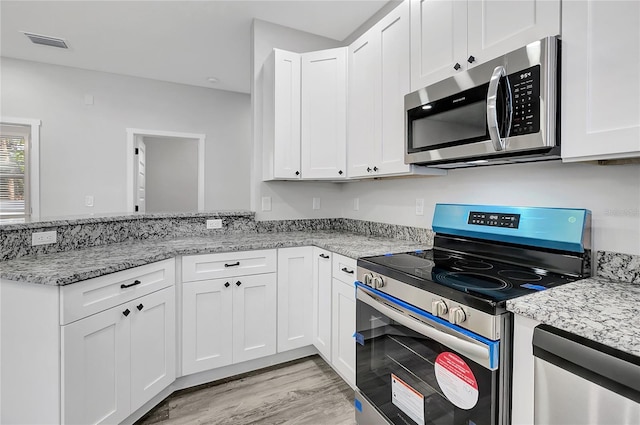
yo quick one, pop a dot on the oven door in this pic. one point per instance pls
(418, 369)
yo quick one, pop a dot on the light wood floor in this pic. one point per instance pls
(305, 391)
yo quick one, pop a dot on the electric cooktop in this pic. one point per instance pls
(484, 278)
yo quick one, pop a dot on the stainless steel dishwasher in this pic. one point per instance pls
(578, 381)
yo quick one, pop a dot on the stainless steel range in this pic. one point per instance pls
(432, 331)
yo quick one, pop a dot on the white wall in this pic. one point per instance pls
(83, 146)
(171, 174)
(612, 193)
(289, 199)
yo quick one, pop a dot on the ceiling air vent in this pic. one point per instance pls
(46, 40)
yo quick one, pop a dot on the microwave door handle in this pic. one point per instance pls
(475, 351)
(492, 110)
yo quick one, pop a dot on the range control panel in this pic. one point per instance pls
(511, 221)
(526, 101)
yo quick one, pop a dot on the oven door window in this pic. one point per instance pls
(455, 120)
(413, 379)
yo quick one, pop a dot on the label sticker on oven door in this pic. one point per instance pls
(456, 380)
(407, 399)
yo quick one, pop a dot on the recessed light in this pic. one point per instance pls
(212, 80)
(46, 40)
(478, 161)
(427, 107)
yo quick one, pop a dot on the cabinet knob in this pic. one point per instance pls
(471, 59)
(140, 307)
(457, 66)
(368, 169)
(340, 172)
(297, 173)
(226, 284)
(238, 283)
(126, 312)
(375, 168)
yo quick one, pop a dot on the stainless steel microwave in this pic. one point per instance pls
(502, 111)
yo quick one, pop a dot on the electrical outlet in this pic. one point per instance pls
(356, 204)
(419, 206)
(316, 203)
(43, 238)
(214, 224)
(88, 200)
(266, 203)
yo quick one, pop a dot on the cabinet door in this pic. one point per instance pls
(96, 368)
(206, 328)
(343, 320)
(322, 301)
(438, 40)
(281, 112)
(153, 345)
(254, 316)
(295, 285)
(394, 85)
(600, 83)
(364, 105)
(496, 27)
(324, 114)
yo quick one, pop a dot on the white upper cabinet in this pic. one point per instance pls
(379, 78)
(600, 80)
(449, 36)
(281, 116)
(324, 115)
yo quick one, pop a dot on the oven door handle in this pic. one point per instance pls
(476, 350)
(499, 142)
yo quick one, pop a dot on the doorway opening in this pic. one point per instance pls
(165, 171)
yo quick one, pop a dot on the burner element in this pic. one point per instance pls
(520, 275)
(408, 263)
(473, 264)
(440, 256)
(474, 281)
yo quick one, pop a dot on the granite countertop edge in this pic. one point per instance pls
(596, 308)
(65, 268)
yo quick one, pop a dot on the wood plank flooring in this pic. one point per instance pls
(305, 391)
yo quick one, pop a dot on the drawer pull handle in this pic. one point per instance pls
(140, 307)
(226, 284)
(324, 256)
(237, 263)
(135, 282)
(346, 270)
(126, 312)
(238, 283)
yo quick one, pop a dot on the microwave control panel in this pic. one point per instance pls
(511, 221)
(525, 87)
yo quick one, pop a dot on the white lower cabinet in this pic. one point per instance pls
(116, 360)
(254, 317)
(321, 333)
(232, 318)
(226, 321)
(343, 319)
(206, 328)
(295, 285)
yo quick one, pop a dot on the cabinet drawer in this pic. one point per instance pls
(228, 264)
(344, 268)
(91, 296)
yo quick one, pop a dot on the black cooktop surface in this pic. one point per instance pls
(484, 278)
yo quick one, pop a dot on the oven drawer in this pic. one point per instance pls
(228, 264)
(344, 268)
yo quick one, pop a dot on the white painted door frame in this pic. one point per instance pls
(133, 132)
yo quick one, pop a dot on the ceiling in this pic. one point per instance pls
(179, 41)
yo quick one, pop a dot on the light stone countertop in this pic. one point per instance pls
(63, 268)
(599, 309)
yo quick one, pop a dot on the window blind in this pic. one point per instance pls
(13, 175)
